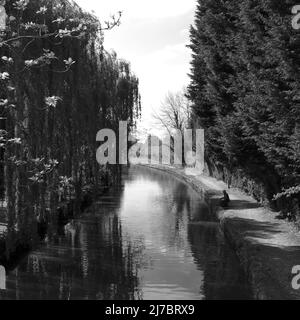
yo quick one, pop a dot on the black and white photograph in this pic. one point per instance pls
(150, 153)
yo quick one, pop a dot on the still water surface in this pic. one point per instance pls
(138, 242)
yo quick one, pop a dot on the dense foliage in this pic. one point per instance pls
(58, 88)
(245, 90)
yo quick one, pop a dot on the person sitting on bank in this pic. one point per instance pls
(225, 200)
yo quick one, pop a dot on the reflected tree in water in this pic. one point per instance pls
(223, 275)
(103, 265)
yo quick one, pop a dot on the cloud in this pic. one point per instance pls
(162, 71)
(139, 8)
(147, 35)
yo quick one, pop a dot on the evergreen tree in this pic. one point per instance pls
(245, 88)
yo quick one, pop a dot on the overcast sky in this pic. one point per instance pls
(153, 37)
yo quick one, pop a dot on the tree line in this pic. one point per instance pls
(58, 87)
(245, 86)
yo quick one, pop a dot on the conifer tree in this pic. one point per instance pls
(245, 88)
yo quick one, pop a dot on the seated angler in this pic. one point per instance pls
(224, 202)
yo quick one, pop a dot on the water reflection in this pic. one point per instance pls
(136, 243)
(223, 278)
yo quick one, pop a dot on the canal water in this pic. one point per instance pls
(151, 238)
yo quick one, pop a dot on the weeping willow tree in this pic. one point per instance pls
(58, 88)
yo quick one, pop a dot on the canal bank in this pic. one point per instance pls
(267, 248)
